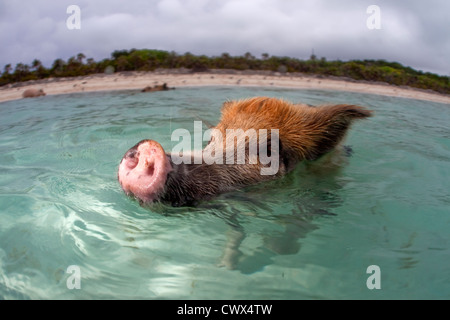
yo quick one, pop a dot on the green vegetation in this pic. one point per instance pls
(149, 60)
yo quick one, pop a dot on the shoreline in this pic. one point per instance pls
(178, 78)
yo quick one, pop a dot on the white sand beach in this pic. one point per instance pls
(177, 79)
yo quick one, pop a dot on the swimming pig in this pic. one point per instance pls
(256, 140)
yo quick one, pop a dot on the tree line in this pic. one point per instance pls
(149, 60)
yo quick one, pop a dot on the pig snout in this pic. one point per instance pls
(143, 171)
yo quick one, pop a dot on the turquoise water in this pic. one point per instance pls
(310, 235)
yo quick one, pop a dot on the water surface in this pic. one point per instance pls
(310, 235)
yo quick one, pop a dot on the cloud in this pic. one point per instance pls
(414, 35)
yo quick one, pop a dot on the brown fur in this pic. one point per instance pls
(32, 93)
(305, 133)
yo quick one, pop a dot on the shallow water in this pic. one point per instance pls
(310, 235)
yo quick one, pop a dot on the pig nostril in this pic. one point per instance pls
(132, 163)
(151, 169)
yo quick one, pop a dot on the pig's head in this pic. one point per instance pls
(143, 171)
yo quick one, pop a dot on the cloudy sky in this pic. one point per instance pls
(415, 33)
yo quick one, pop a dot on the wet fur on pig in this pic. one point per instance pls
(305, 133)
